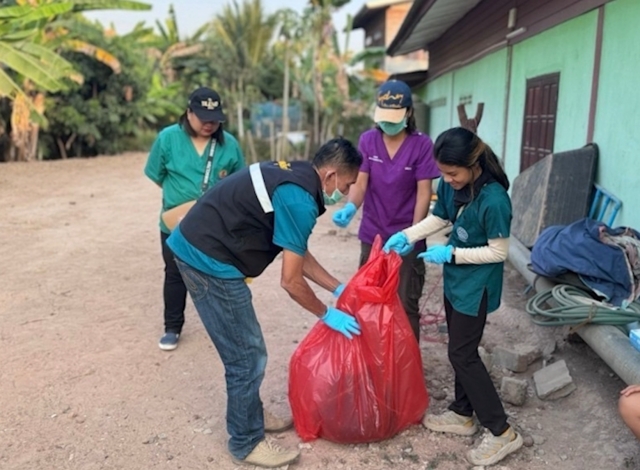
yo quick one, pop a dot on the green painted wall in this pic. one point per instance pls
(486, 82)
(617, 130)
(569, 49)
(438, 97)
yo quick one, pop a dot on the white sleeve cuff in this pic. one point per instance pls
(496, 251)
(425, 228)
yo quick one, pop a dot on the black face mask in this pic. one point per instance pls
(466, 195)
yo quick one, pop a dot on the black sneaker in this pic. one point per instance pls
(169, 341)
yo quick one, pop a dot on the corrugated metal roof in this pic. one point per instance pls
(427, 21)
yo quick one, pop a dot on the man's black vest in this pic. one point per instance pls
(229, 224)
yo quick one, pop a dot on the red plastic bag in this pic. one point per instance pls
(369, 388)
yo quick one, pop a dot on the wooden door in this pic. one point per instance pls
(539, 119)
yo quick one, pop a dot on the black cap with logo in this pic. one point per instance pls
(207, 105)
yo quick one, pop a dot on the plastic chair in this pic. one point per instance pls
(604, 203)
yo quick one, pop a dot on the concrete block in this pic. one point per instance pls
(554, 381)
(513, 390)
(517, 358)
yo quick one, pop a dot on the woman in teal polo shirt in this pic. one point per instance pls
(177, 163)
(472, 196)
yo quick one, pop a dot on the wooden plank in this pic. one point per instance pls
(486, 26)
(485, 19)
(527, 8)
(563, 11)
(483, 26)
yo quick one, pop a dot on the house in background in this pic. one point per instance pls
(552, 75)
(381, 20)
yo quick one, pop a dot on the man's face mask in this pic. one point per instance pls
(335, 197)
(392, 128)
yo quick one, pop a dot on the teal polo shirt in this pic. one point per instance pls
(175, 165)
(487, 217)
(295, 214)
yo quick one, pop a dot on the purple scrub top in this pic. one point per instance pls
(390, 198)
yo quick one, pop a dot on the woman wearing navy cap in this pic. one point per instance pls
(394, 184)
(178, 164)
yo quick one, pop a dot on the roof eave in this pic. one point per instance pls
(415, 14)
(414, 79)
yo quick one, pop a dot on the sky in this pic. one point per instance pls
(192, 14)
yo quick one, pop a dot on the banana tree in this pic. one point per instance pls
(31, 39)
(246, 31)
(22, 54)
(322, 30)
(170, 46)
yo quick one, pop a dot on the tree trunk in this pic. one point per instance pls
(240, 120)
(20, 129)
(61, 148)
(240, 108)
(252, 148)
(316, 101)
(324, 130)
(285, 105)
(272, 140)
(38, 102)
(24, 133)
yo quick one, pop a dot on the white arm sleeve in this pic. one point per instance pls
(430, 225)
(495, 252)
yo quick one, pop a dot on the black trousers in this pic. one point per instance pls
(474, 389)
(174, 291)
(412, 274)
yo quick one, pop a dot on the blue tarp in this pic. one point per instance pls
(580, 248)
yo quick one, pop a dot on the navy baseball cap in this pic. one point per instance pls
(392, 101)
(206, 105)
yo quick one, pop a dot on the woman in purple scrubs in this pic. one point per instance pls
(394, 184)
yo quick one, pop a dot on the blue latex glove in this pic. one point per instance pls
(341, 322)
(399, 243)
(343, 217)
(338, 292)
(438, 254)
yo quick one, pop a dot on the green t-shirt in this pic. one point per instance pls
(176, 166)
(487, 217)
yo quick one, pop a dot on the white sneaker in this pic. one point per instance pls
(451, 422)
(274, 424)
(268, 454)
(493, 449)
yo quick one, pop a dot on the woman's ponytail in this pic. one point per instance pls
(489, 162)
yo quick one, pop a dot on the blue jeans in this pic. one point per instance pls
(225, 307)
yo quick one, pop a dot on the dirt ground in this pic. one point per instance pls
(83, 384)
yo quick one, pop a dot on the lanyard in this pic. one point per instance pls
(207, 168)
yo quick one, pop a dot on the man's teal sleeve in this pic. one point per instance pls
(295, 213)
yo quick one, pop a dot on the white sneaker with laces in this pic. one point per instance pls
(493, 449)
(274, 424)
(451, 422)
(268, 454)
